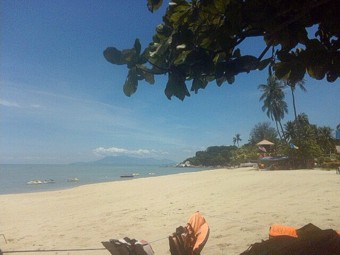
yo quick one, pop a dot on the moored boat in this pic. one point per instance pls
(73, 179)
(127, 176)
(47, 181)
(33, 182)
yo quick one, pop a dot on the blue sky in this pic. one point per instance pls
(61, 102)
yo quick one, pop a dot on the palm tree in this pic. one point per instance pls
(273, 101)
(293, 86)
(325, 139)
(295, 130)
(237, 139)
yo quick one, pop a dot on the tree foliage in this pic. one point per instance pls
(245, 154)
(312, 141)
(261, 131)
(237, 139)
(325, 139)
(199, 42)
(273, 98)
(301, 85)
(213, 156)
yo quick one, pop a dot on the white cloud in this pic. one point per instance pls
(8, 103)
(113, 151)
(101, 151)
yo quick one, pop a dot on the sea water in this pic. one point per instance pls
(14, 178)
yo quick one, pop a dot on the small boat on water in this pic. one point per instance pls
(73, 179)
(48, 181)
(34, 182)
(127, 176)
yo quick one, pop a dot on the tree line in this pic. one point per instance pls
(312, 143)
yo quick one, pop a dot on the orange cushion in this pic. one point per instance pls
(196, 221)
(201, 231)
(201, 238)
(278, 230)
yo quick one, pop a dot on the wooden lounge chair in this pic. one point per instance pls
(127, 246)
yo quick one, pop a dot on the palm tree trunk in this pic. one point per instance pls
(277, 129)
(293, 97)
(283, 132)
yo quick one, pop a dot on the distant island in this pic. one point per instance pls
(126, 160)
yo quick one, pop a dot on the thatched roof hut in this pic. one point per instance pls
(264, 142)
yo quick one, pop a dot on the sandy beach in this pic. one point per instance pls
(238, 204)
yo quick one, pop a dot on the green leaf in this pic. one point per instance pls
(176, 86)
(205, 42)
(114, 56)
(144, 73)
(316, 71)
(317, 60)
(221, 4)
(220, 80)
(128, 55)
(131, 83)
(180, 10)
(282, 70)
(297, 73)
(198, 83)
(230, 79)
(219, 57)
(237, 53)
(246, 63)
(149, 77)
(292, 72)
(181, 57)
(264, 63)
(158, 50)
(332, 76)
(334, 71)
(153, 5)
(163, 30)
(137, 46)
(284, 56)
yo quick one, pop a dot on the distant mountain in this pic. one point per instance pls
(126, 160)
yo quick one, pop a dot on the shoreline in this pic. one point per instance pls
(238, 204)
(15, 178)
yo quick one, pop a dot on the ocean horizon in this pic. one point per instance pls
(15, 178)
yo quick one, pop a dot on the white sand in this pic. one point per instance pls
(239, 205)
